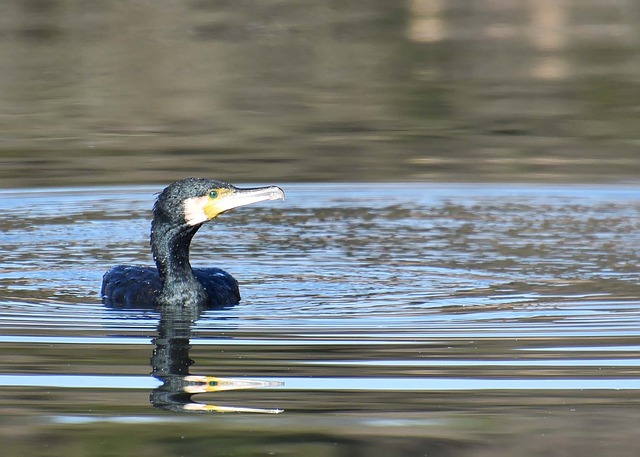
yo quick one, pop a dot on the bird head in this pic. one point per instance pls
(194, 201)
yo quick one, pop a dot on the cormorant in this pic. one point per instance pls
(178, 213)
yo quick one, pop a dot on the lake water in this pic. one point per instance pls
(380, 319)
(365, 90)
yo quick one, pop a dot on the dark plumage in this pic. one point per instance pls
(178, 213)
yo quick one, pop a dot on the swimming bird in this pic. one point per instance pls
(179, 211)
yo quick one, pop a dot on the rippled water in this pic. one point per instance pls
(381, 319)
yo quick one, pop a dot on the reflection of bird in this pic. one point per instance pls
(170, 364)
(178, 213)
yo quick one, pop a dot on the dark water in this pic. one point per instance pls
(382, 319)
(357, 90)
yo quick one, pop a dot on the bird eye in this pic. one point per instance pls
(213, 194)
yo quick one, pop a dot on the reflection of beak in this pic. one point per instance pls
(240, 197)
(228, 409)
(201, 384)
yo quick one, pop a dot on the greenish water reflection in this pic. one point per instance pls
(422, 90)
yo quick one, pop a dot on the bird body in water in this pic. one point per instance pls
(180, 210)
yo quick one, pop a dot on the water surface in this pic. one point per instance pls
(381, 319)
(363, 90)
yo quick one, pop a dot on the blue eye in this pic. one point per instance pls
(213, 194)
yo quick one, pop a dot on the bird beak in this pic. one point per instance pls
(240, 197)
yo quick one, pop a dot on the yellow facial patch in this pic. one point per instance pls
(198, 210)
(213, 206)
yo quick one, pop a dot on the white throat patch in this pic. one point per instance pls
(194, 210)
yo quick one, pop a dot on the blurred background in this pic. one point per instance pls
(97, 92)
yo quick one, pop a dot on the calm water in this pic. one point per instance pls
(104, 92)
(381, 319)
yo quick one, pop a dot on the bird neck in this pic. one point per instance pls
(170, 247)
